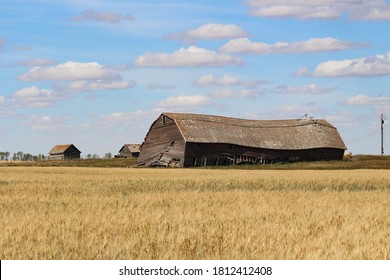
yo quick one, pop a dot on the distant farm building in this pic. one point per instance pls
(64, 152)
(129, 151)
(185, 140)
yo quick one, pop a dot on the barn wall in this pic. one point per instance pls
(163, 146)
(126, 153)
(72, 153)
(201, 154)
(57, 157)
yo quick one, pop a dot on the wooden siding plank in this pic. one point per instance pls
(163, 145)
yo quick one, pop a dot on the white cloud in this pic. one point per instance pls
(302, 12)
(226, 80)
(378, 65)
(108, 17)
(36, 62)
(56, 124)
(380, 104)
(121, 117)
(41, 123)
(306, 89)
(186, 57)
(344, 119)
(184, 101)
(298, 110)
(289, 111)
(231, 93)
(121, 67)
(321, 9)
(302, 72)
(71, 71)
(37, 98)
(362, 99)
(156, 86)
(2, 99)
(82, 86)
(244, 45)
(210, 31)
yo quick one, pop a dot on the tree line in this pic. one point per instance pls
(21, 156)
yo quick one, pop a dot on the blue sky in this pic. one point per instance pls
(97, 73)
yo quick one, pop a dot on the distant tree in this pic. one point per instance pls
(7, 155)
(41, 157)
(108, 155)
(95, 156)
(89, 156)
(20, 155)
(27, 157)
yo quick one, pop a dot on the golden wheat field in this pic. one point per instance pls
(112, 213)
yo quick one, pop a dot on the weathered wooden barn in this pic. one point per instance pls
(129, 151)
(64, 152)
(185, 140)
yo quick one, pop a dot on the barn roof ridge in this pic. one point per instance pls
(290, 134)
(58, 149)
(256, 123)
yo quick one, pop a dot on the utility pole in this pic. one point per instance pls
(382, 123)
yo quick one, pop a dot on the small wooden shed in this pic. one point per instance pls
(64, 152)
(129, 151)
(186, 140)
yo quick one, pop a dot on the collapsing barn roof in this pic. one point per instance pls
(296, 134)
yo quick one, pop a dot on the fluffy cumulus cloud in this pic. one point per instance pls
(71, 71)
(380, 104)
(108, 17)
(75, 76)
(210, 31)
(2, 99)
(321, 9)
(37, 98)
(185, 101)
(83, 86)
(233, 93)
(226, 80)
(36, 62)
(244, 45)
(362, 99)
(306, 89)
(56, 124)
(378, 65)
(121, 117)
(42, 123)
(187, 57)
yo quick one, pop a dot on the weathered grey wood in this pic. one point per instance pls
(129, 151)
(186, 140)
(64, 152)
(163, 145)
